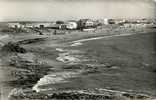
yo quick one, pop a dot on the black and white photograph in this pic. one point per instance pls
(77, 49)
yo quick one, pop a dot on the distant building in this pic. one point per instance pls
(14, 25)
(62, 26)
(44, 24)
(54, 26)
(59, 22)
(89, 29)
(89, 23)
(71, 25)
(37, 25)
(120, 21)
(85, 23)
(29, 25)
(105, 22)
(111, 21)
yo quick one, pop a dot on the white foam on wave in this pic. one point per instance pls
(3, 38)
(95, 38)
(67, 58)
(60, 49)
(70, 56)
(58, 77)
(76, 44)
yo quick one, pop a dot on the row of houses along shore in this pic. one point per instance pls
(82, 24)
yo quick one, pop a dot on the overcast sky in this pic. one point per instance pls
(48, 10)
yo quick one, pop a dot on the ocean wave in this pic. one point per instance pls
(58, 77)
(60, 49)
(101, 37)
(67, 58)
(3, 38)
(76, 44)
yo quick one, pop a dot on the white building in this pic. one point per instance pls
(106, 22)
(14, 25)
(71, 25)
(38, 25)
(89, 23)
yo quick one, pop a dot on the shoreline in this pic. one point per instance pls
(84, 40)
